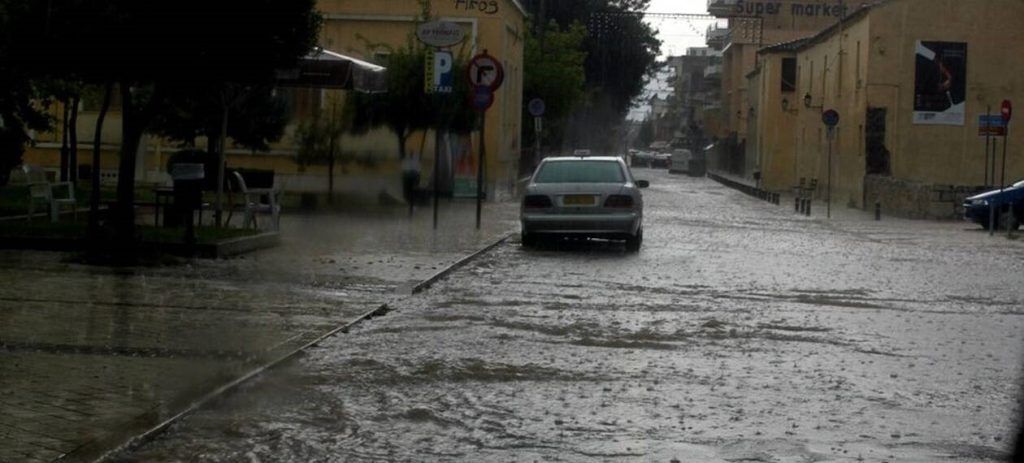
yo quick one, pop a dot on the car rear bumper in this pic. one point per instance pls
(598, 225)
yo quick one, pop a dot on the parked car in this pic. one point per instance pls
(1008, 204)
(593, 197)
(662, 160)
(641, 158)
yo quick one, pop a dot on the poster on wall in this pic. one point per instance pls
(464, 185)
(940, 83)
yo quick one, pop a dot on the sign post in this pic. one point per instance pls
(485, 74)
(440, 78)
(1007, 113)
(537, 109)
(831, 119)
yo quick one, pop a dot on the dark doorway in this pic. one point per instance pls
(877, 156)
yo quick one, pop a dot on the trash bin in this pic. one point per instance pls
(188, 194)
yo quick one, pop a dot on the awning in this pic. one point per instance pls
(327, 69)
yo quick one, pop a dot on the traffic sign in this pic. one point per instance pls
(1007, 110)
(485, 71)
(991, 126)
(483, 98)
(830, 118)
(536, 107)
(440, 33)
(439, 72)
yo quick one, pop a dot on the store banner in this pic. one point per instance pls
(940, 83)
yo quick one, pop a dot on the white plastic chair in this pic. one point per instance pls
(259, 201)
(54, 195)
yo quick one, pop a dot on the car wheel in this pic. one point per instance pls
(633, 243)
(1005, 218)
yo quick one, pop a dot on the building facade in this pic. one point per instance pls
(910, 80)
(752, 25)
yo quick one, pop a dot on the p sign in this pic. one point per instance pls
(440, 72)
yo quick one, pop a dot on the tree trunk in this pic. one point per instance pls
(73, 135)
(131, 138)
(330, 171)
(64, 139)
(94, 198)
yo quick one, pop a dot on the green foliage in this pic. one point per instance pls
(257, 115)
(406, 107)
(621, 56)
(319, 139)
(554, 72)
(151, 48)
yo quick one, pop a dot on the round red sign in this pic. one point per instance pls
(1007, 110)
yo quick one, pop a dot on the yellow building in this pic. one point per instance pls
(753, 24)
(910, 79)
(367, 28)
(364, 29)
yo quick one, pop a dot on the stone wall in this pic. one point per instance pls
(913, 200)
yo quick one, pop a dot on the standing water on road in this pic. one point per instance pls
(740, 332)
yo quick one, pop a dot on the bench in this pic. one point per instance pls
(52, 194)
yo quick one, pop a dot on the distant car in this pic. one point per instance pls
(662, 160)
(641, 158)
(593, 197)
(581, 152)
(976, 208)
(680, 161)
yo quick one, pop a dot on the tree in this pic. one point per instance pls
(151, 48)
(18, 114)
(646, 136)
(258, 116)
(554, 72)
(406, 107)
(319, 139)
(621, 56)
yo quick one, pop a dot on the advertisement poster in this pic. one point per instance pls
(940, 83)
(465, 161)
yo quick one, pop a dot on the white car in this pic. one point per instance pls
(593, 197)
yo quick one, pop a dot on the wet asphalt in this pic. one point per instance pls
(740, 332)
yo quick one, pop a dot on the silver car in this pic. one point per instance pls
(583, 197)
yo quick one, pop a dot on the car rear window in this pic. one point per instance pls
(580, 172)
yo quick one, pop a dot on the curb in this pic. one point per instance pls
(426, 284)
(381, 310)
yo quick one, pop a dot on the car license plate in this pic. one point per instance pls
(579, 200)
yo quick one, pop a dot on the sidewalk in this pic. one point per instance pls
(92, 356)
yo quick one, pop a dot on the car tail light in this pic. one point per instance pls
(536, 202)
(619, 201)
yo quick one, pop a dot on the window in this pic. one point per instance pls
(580, 172)
(788, 74)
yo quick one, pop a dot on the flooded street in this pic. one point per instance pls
(740, 332)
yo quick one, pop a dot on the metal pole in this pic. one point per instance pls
(991, 219)
(995, 145)
(480, 168)
(829, 205)
(221, 161)
(988, 141)
(437, 171)
(1002, 181)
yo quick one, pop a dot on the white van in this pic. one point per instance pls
(680, 161)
